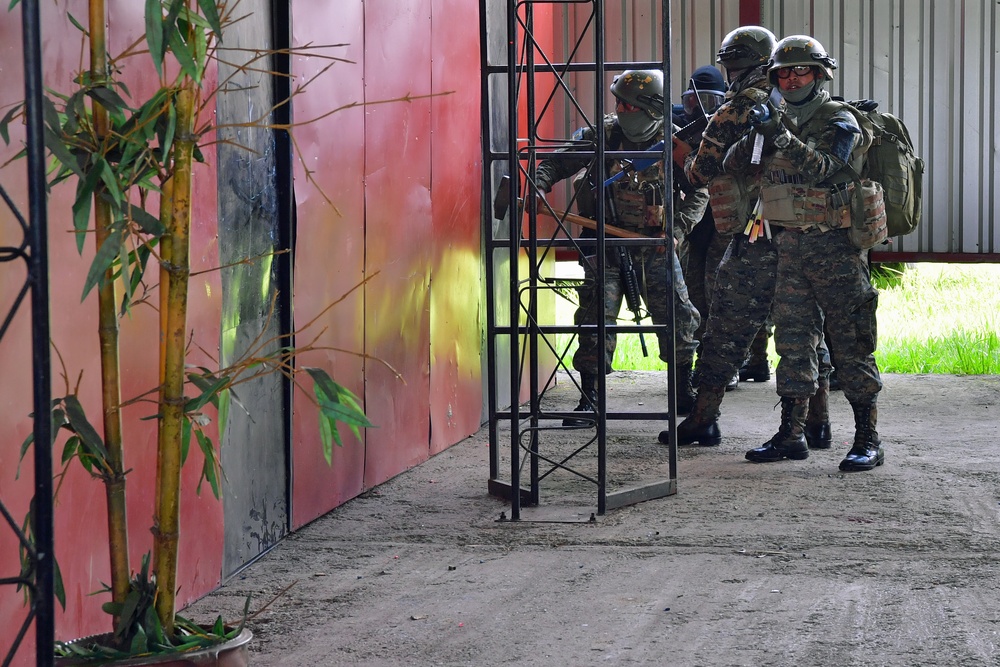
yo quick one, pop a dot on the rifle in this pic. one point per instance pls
(682, 142)
(626, 271)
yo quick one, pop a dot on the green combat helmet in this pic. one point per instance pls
(800, 51)
(642, 89)
(747, 46)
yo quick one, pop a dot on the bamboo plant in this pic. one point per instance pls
(122, 158)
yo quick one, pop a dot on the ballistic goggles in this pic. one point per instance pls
(710, 100)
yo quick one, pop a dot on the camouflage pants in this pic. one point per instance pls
(821, 278)
(651, 271)
(699, 275)
(741, 305)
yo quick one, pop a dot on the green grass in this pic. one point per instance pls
(932, 318)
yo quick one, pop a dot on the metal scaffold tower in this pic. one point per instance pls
(544, 70)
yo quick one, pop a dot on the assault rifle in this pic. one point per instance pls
(626, 271)
(682, 141)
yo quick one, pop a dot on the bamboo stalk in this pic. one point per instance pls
(107, 300)
(167, 520)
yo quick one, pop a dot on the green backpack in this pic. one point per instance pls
(892, 162)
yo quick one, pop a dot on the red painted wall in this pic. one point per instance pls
(80, 528)
(403, 177)
(387, 190)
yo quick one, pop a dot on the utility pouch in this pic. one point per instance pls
(728, 200)
(794, 206)
(869, 225)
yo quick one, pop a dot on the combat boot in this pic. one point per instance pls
(790, 440)
(686, 394)
(818, 433)
(702, 425)
(588, 402)
(867, 451)
(756, 367)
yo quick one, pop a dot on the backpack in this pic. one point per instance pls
(891, 161)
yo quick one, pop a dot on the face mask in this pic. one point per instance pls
(637, 125)
(799, 95)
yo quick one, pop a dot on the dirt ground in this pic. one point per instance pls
(792, 563)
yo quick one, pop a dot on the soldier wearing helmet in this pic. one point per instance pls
(812, 150)
(744, 286)
(636, 124)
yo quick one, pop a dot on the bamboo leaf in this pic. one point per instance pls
(5, 123)
(185, 440)
(105, 255)
(211, 13)
(110, 180)
(209, 469)
(111, 101)
(147, 222)
(72, 19)
(88, 435)
(323, 382)
(59, 587)
(70, 449)
(326, 430)
(81, 207)
(344, 413)
(182, 53)
(209, 394)
(154, 34)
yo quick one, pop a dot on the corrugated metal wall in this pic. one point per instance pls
(934, 65)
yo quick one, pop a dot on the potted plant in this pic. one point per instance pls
(125, 159)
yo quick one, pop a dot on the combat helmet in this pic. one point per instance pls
(747, 46)
(800, 50)
(642, 89)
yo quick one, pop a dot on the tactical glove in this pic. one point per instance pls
(766, 120)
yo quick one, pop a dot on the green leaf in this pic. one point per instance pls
(344, 413)
(88, 435)
(154, 34)
(147, 222)
(209, 469)
(70, 449)
(211, 13)
(110, 180)
(103, 259)
(81, 207)
(111, 101)
(5, 123)
(59, 587)
(182, 52)
(72, 19)
(209, 394)
(185, 440)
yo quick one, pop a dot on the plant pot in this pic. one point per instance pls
(233, 653)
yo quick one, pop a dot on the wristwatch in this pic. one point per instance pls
(783, 139)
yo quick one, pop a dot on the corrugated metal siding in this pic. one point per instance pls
(934, 66)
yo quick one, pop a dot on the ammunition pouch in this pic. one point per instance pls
(729, 199)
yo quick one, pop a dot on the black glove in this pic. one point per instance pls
(865, 105)
(766, 120)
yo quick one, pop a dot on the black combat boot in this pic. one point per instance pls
(686, 394)
(756, 367)
(818, 433)
(734, 383)
(867, 451)
(702, 425)
(790, 440)
(588, 402)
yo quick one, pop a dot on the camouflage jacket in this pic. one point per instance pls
(638, 196)
(816, 154)
(728, 124)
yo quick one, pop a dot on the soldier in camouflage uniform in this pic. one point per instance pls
(636, 124)
(744, 286)
(822, 277)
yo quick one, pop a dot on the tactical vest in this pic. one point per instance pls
(734, 196)
(638, 197)
(787, 202)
